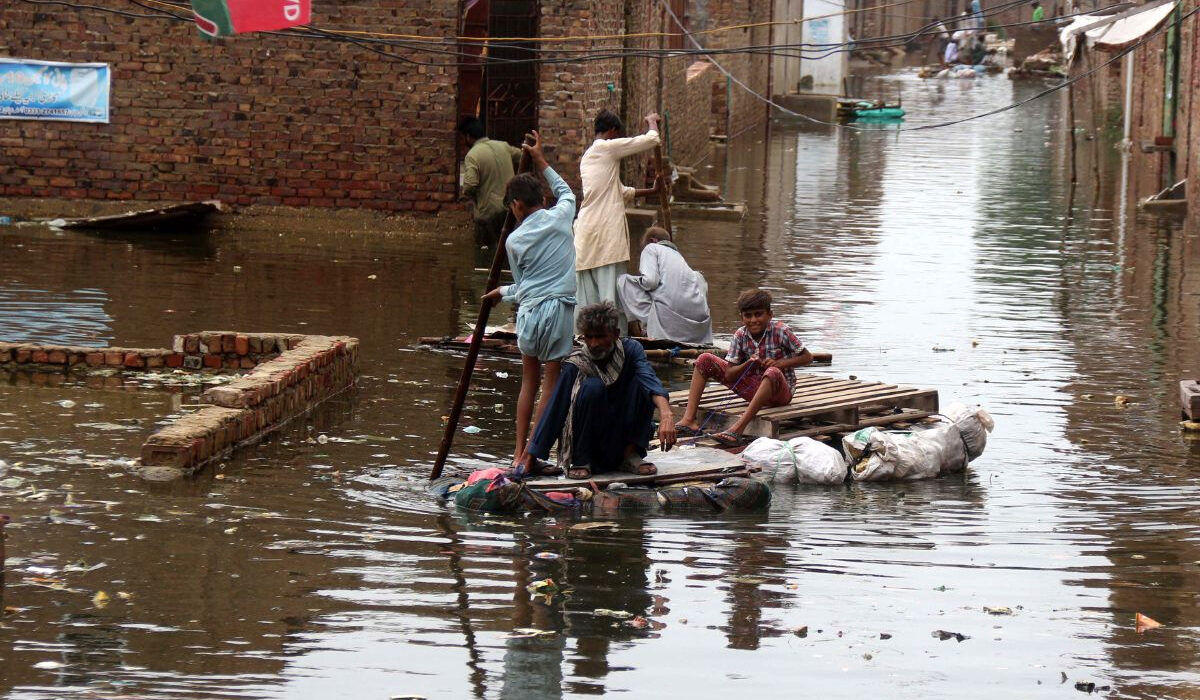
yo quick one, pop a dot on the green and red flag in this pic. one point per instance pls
(226, 17)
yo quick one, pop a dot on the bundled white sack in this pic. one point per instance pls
(974, 426)
(896, 456)
(877, 455)
(801, 459)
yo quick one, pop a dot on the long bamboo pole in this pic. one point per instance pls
(664, 190)
(485, 309)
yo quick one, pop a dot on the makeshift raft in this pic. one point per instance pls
(689, 479)
(820, 406)
(504, 342)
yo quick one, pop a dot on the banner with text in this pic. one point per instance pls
(224, 17)
(71, 92)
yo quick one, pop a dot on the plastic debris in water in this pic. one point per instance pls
(66, 403)
(100, 600)
(1144, 623)
(545, 586)
(997, 610)
(617, 614)
(545, 555)
(472, 429)
(49, 665)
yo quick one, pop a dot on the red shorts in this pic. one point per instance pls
(713, 368)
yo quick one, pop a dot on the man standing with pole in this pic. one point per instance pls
(601, 231)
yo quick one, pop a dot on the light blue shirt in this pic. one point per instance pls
(541, 251)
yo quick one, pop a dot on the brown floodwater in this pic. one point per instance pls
(315, 566)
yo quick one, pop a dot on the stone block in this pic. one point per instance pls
(40, 357)
(56, 357)
(114, 358)
(174, 360)
(228, 343)
(154, 361)
(212, 361)
(193, 361)
(191, 345)
(241, 345)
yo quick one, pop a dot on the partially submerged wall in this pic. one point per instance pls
(288, 375)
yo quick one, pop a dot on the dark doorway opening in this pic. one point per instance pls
(499, 83)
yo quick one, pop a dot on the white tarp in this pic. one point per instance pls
(1113, 32)
(1126, 31)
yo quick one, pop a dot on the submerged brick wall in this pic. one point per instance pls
(275, 391)
(289, 374)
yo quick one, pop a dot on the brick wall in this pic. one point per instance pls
(288, 375)
(280, 119)
(257, 119)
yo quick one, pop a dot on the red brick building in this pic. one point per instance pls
(361, 114)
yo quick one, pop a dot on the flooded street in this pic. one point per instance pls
(314, 566)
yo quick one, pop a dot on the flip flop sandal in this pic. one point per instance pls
(579, 473)
(639, 467)
(686, 431)
(540, 468)
(727, 439)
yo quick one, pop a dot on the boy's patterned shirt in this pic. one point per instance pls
(778, 342)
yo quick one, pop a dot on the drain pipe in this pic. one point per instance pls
(1127, 141)
(1170, 87)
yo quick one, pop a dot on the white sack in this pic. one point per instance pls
(974, 425)
(801, 459)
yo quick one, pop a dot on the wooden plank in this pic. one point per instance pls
(892, 398)
(684, 463)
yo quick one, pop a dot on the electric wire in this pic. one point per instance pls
(549, 56)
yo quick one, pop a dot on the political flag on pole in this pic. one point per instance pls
(226, 17)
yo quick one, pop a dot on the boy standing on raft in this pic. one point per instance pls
(757, 367)
(541, 253)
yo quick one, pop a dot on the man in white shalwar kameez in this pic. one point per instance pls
(669, 298)
(601, 232)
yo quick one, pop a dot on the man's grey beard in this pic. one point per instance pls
(601, 354)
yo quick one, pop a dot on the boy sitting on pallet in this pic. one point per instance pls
(757, 367)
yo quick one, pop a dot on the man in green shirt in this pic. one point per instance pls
(488, 167)
(1039, 12)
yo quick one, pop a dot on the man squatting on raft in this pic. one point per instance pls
(541, 254)
(601, 409)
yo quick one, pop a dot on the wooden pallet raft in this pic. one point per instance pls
(820, 406)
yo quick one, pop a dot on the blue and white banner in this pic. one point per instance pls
(73, 92)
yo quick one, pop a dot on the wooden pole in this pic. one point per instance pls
(664, 190)
(485, 308)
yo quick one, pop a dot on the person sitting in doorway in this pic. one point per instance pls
(601, 410)
(668, 298)
(758, 367)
